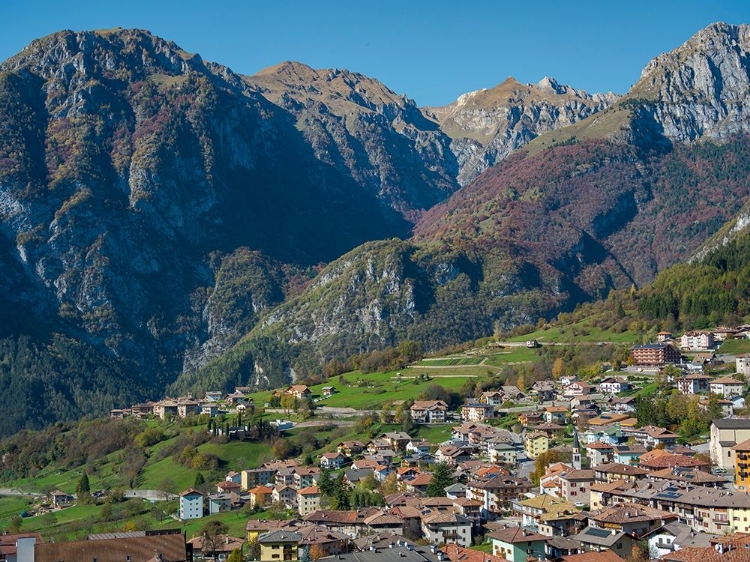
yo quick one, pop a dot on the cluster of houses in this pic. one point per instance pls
(622, 486)
(663, 497)
(668, 349)
(212, 404)
(637, 486)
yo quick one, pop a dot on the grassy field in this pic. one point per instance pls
(372, 390)
(235, 520)
(154, 474)
(237, 455)
(484, 547)
(434, 433)
(582, 331)
(450, 361)
(12, 505)
(513, 355)
(735, 347)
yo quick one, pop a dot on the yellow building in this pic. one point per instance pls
(278, 546)
(257, 527)
(260, 496)
(742, 466)
(536, 444)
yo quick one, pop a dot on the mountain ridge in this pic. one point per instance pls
(534, 235)
(487, 125)
(181, 220)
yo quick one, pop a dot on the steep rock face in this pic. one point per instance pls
(531, 237)
(698, 91)
(355, 123)
(487, 125)
(702, 88)
(139, 183)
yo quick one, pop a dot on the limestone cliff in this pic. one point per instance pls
(487, 125)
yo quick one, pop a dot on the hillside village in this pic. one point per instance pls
(563, 470)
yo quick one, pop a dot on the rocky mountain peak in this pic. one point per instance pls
(700, 89)
(551, 85)
(487, 125)
(95, 52)
(303, 84)
(355, 122)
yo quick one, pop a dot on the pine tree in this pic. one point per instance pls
(326, 485)
(441, 479)
(83, 489)
(340, 498)
(83, 486)
(199, 480)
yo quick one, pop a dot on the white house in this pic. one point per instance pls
(332, 460)
(429, 411)
(743, 364)
(308, 500)
(442, 527)
(614, 385)
(696, 340)
(418, 446)
(502, 453)
(727, 386)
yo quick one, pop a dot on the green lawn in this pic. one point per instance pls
(237, 455)
(735, 347)
(513, 355)
(581, 331)
(12, 505)
(450, 361)
(372, 390)
(434, 433)
(649, 389)
(235, 520)
(154, 474)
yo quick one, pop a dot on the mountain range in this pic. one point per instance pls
(168, 223)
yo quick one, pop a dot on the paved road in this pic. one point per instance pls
(150, 495)
(703, 447)
(16, 492)
(323, 423)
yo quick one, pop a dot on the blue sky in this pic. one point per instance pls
(430, 51)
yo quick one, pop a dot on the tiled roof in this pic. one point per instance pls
(696, 554)
(512, 535)
(421, 480)
(669, 460)
(603, 556)
(540, 502)
(280, 536)
(171, 546)
(630, 512)
(458, 553)
(265, 525)
(732, 423)
(609, 486)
